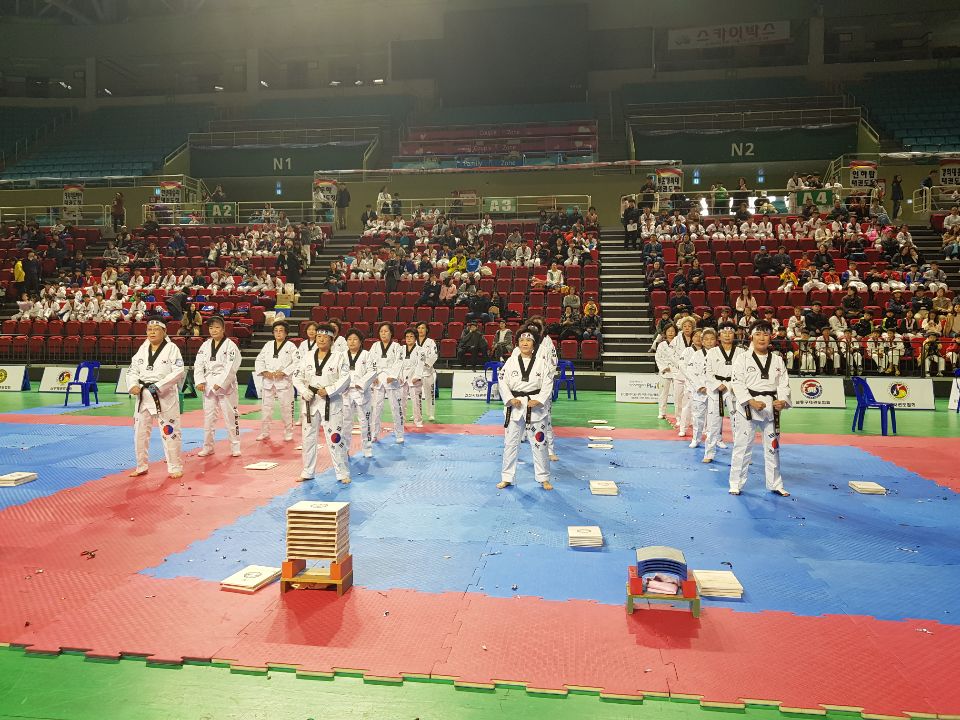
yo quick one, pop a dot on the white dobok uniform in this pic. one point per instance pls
(430, 355)
(526, 380)
(411, 370)
(332, 374)
(547, 353)
(680, 407)
(217, 367)
(159, 377)
(386, 362)
(765, 379)
(695, 371)
(357, 396)
(277, 359)
(719, 372)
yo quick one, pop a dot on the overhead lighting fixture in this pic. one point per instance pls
(358, 82)
(218, 88)
(334, 83)
(378, 81)
(63, 85)
(264, 83)
(107, 91)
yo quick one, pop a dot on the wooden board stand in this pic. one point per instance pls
(690, 593)
(295, 576)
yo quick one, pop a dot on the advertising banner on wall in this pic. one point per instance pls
(732, 35)
(669, 180)
(638, 387)
(825, 392)
(472, 386)
(55, 379)
(863, 173)
(904, 393)
(13, 378)
(171, 191)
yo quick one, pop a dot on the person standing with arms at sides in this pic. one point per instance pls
(215, 377)
(430, 355)
(156, 372)
(695, 371)
(275, 365)
(411, 376)
(720, 401)
(308, 345)
(680, 344)
(666, 366)
(321, 379)
(526, 381)
(761, 387)
(386, 358)
(339, 343)
(357, 396)
(343, 205)
(631, 225)
(547, 352)
(896, 195)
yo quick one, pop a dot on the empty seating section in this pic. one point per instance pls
(919, 110)
(17, 124)
(501, 136)
(115, 141)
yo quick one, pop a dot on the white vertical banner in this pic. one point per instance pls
(638, 387)
(954, 395)
(469, 385)
(904, 393)
(13, 378)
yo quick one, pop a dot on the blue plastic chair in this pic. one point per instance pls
(85, 378)
(567, 378)
(866, 400)
(493, 368)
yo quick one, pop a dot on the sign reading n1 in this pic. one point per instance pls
(904, 393)
(55, 379)
(495, 205)
(13, 378)
(472, 386)
(638, 387)
(825, 392)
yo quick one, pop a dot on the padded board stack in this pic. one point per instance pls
(318, 532)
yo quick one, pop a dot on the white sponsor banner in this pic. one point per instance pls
(826, 392)
(954, 395)
(638, 387)
(123, 385)
(472, 386)
(12, 378)
(710, 36)
(55, 379)
(904, 393)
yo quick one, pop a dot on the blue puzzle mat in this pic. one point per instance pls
(61, 410)
(427, 515)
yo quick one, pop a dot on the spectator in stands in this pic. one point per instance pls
(788, 280)
(935, 278)
(31, 274)
(177, 245)
(680, 302)
(342, 204)
(745, 300)
(763, 262)
(822, 258)
(591, 323)
(656, 277)
(852, 304)
(851, 278)
(951, 243)
(838, 322)
(896, 195)
(554, 279)
(686, 251)
(591, 221)
(815, 319)
(631, 225)
(19, 276)
(384, 201)
(448, 292)
(117, 212)
(471, 345)
(652, 250)
(696, 279)
(865, 326)
(913, 278)
(503, 341)
(570, 327)
(941, 303)
(367, 217)
(288, 265)
(430, 293)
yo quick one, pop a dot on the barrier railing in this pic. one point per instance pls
(252, 124)
(737, 105)
(191, 186)
(234, 213)
(296, 136)
(87, 215)
(939, 198)
(744, 119)
(777, 201)
(472, 208)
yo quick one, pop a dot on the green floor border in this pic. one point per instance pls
(70, 686)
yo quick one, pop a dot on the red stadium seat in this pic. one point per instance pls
(568, 349)
(590, 350)
(448, 348)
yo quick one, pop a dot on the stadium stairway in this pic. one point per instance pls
(627, 325)
(930, 244)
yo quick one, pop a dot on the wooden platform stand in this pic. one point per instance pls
(690, 593)
(295, 576)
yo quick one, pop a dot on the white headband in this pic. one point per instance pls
(527, 335)
(157, 322)
(325, 331)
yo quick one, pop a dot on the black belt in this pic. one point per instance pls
(720, 392)
(154, 393)
(776, 413)
(526, 394)
(326, 407)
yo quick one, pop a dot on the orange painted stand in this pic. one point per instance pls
(295, 576)
(689, 593)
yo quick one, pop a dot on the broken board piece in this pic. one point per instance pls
(866, 487)
(265, 465)
(600, 446)
(718, 583)
(604, 427)
(599, 438)
(604, 487)
(250, 579)
(17, 478)
(598, 422)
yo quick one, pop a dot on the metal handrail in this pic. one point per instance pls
(742, 120)
(778, 197)
(86, 215)
(481, 142)
(294, 123)
(300, 136)
(372, 148)
(735, 104)
(190, 184)
(935, 199)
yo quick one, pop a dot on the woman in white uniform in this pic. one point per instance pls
(307, 346)
(695, 371)
(339, 343)
(526, 383)
(430, 356)
(667, 368)
(680, 344)
(321, 379)
(385, 357)
(215, 377)
(721, 401)
(546, 352)
(275, 365)
(156, 372)
(411, 376)
(357, 396)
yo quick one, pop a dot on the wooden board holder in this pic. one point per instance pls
(295, 576)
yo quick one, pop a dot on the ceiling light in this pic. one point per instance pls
(107, 91)
(334, 83)
(218, 88)
(264, 83)
(378, 81)
(358, 82)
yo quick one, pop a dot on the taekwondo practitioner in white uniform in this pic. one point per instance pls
(719, 368)
(386, 357)
(666, 367)
(321, 379)
(339, 342)
(411, 376)
(357, 396)
(430, 356)
(526, 382)
(547, 353)
(695, 371)
(215, 377)
(275, 365)
(156, 372)
(308, 345)
(761, 387)
(680, 344)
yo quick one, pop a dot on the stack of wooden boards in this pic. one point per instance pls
(604, 487)
(17, 478)
(318, 531)
(865, 487)
(718, 583)
(584, 536)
